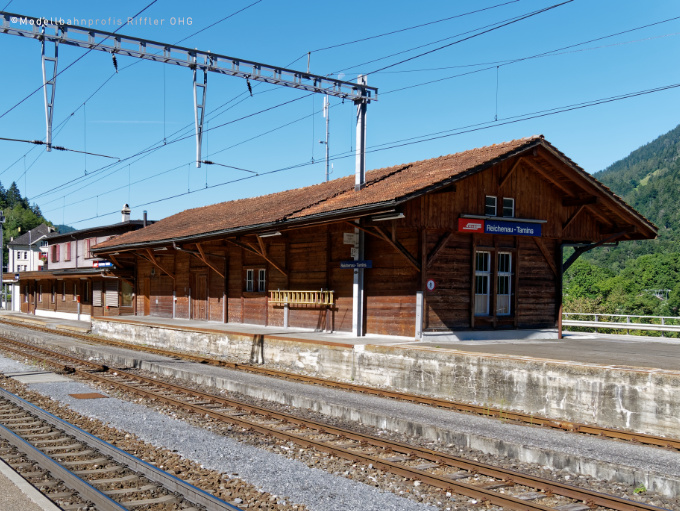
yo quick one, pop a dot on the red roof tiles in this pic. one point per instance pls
(386, 185)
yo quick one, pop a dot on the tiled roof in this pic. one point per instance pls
(383, 187)
(31, 236)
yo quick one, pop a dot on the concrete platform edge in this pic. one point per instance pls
(27, 488)
(634, 399)
(555, 460)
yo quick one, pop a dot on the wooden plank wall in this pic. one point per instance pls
(65, 302)
(390, 286)
(536, 285)
(448, 306)
(311, 259)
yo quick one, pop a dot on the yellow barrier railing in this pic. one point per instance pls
(301, 297)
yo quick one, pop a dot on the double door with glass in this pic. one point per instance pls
(484, 288)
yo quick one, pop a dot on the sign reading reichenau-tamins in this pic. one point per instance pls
(499, 227)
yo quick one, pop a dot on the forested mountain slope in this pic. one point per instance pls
(641, 277)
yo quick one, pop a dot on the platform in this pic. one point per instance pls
(611, 350)
(18, 494)
(615, 381)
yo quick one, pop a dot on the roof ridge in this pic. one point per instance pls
(341, 192)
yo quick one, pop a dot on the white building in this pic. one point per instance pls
(27, 253)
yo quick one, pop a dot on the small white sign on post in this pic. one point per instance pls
(349, 238)
(354, 252)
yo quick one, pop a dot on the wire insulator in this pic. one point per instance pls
(115, 62)
(250, 89)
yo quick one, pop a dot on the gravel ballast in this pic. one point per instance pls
(291, 480)
(488, 440)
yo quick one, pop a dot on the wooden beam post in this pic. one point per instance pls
(251, 248)
(400, 248)
(505, 178)
(546, 255)
(150, 257)
(205, 260)
(438, 247)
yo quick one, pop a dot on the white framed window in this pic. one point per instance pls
(75, 291)
(504, 284)
(490, 203)
(63, 290)
(43, 243)
(508, 207)
(40, 293)
(26, 293)
(482, 282)
(262, 280)
(25, 255)
(250, 274)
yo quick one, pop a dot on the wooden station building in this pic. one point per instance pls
(465, 242)
(73, 282)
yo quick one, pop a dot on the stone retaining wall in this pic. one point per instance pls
(645, 401)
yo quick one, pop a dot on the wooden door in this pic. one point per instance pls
(147, 298)
(200, 299)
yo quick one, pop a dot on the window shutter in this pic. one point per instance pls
(97, 293)
(112, 293)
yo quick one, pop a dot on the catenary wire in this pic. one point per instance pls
(401, 30)
(458, 41)
(425, 138)
(543, 54)
(56, 147)
(114, 74)
(76, 60)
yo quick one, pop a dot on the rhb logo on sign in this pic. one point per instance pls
(470, 225)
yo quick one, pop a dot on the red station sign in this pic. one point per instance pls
(470, 225)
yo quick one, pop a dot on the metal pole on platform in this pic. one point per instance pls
(359, 183)
(2, 260)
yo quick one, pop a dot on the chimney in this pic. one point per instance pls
(126, 213)
(145, 219)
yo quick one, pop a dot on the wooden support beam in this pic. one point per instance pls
(544, 250)
(400, 248)
(505, 178)
(205, 260)
(152, 259)
(115, 261)
(629, 229)
(263, 247)
(581, 250)
(597, 214)
(573, 217)
(438, 248)
(546, 175)
(251, 248)
(578, 201)
(366, 230)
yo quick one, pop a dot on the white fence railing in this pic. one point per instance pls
(626, 322)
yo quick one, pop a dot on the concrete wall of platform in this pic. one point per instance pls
(636, 399)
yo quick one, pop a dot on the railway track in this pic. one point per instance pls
(505, 415)
(77, 470)
(485, 483)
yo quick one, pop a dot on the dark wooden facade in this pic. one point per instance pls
(208, 278)
(45, 292)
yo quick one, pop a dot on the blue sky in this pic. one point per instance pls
(148, 102)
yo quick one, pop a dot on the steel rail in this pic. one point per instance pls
(84, 489)
(534, 420)
(473, 491)
(168, 481)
